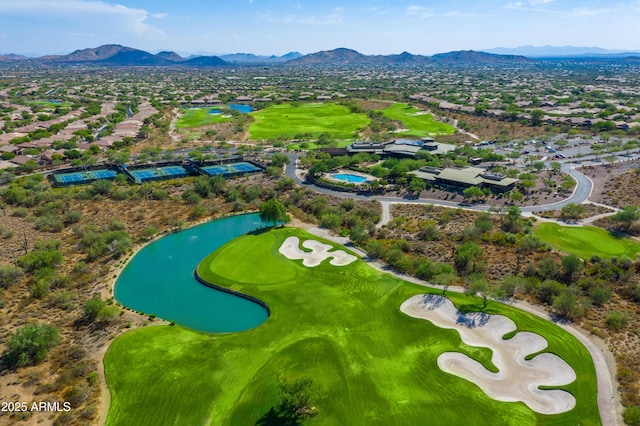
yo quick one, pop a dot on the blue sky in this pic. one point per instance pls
(277, 27)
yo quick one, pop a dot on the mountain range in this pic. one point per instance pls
(562, 52)
(116, 55)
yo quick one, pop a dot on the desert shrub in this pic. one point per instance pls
(30, 345)
(20, 212)
(617, 320)
(73, 216)
(9, 275)
(97, 310)
(430, 232)
(49, 223)
(600, 295)
(45, 255)
(568, 306)
(62, 299)
(191, 197)
(40, 288)
(77, 394)
(149, 232)
(631, 415)
(548, 290)
(160, 194)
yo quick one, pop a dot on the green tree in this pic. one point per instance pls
(478, 286)
(30, 345)
(466, 257)
(512, 221)
(473, 192)
(627, 216)
(483, 223)
(417, 185)
(547, 268)
(293, 405)
(571, 266)
(279, 160)
(567, 305)
(536, 117)
(273, 211)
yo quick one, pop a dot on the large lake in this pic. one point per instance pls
(159, 280)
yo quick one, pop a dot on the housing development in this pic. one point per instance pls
(331, 238)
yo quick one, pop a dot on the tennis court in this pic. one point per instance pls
(155, 173)
(230, 169)
(245, 167)
(84, 177)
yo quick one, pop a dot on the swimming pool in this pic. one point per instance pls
(350, 178)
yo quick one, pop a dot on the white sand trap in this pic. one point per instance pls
(319, 252)
(518, 379)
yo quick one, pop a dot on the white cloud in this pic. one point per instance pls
(99, 14)
(585, 11)
(540, 2)
(419, 11)
(336, 17)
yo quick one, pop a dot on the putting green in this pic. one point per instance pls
(197, 117)
(419, 124)
(339, 326)
(289, 121)
(586, 241)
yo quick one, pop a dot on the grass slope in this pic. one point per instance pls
(419, 124)
(586, 241)
(341, 327)
(197, 117)
(286, 121)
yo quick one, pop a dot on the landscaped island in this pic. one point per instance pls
(337, 325)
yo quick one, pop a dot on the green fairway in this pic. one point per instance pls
(287, 121)
(51, 104)
(587, 241)
(419, 124)
(338, 326)
(196, 117)
(311, 145)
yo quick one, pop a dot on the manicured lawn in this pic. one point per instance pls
(339, 326)
(420, 125)
(196, 117)
(287, 121)
(587, 241)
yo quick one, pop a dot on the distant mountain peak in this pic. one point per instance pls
(169, 55)
(548, 51)
(116, 55)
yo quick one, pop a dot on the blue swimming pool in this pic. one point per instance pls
(348, 177)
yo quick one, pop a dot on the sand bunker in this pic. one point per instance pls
(518, 379)
(319, 252)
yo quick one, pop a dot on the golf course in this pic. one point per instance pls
(197, 117)
(587, 241)
(336, 322)
(418, 124)
(287, 121)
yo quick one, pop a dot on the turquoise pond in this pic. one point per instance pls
(347, 177)
(159, 280)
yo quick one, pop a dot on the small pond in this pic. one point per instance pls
(159, 280)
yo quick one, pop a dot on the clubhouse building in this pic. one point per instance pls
(452, 178)
(461, 178)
